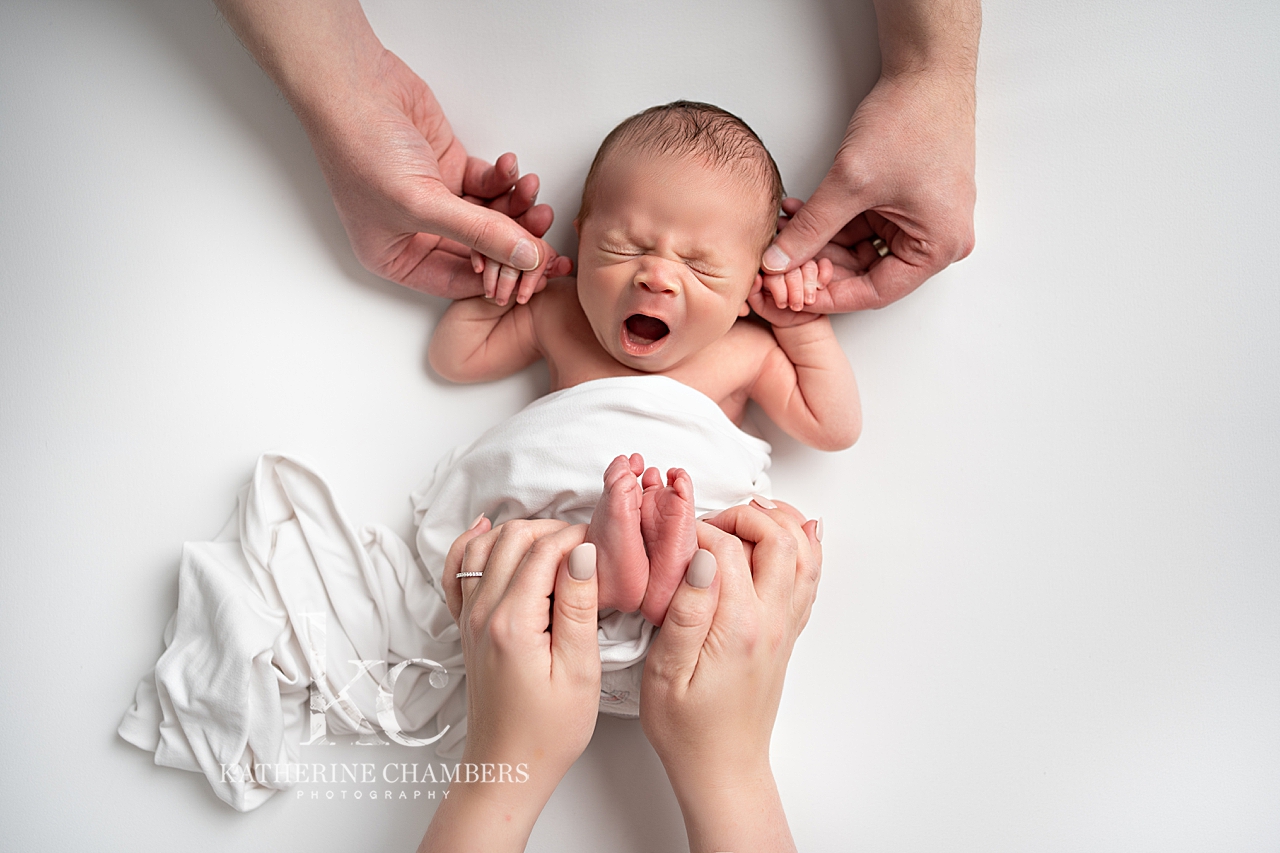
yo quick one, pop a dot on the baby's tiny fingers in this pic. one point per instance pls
(490, 278)
(477, 261)
(795, 289)
(508, 277)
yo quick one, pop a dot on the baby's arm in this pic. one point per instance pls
(805, 383)
(476, 341)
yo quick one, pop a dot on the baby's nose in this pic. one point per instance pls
(658, 276)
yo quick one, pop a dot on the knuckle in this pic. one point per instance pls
(502, 629)
(476, 622)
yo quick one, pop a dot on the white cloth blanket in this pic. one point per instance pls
(548, 461)
(233, 687)
(231, 690)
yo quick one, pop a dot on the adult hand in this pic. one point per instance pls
(533, 675)
(897, 205)
(413, 202)
(415, 205)
(714, 675)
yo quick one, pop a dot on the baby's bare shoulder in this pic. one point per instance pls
(747, 337)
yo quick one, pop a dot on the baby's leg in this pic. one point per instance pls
(621, 565)
(667, 525)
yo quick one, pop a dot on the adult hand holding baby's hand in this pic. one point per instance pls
(414, 204)
(897, 205)
(400, 179)
(533, 675)
(714, 675)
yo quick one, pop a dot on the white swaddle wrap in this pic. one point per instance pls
(548, 461)
(233, 688)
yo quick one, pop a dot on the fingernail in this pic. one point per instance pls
(525, 255)
(707, 516)
(702, 569)
(817, 531)
(763, 502)
(775, 259)
(582, 562)
(476, 523)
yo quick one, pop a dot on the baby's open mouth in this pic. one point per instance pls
(645, 330)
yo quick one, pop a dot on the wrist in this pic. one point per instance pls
(930, 40)
(740, 814)
(488, 816)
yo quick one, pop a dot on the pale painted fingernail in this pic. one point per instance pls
(817, 531)
(582, 562)
(476, 523)
(525, 255)
(775, 259)
(707, 516)
(702, 569)
(763, 502)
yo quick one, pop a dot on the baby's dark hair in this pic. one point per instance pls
(696, 129)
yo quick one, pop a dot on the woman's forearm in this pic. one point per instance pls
(742, 815)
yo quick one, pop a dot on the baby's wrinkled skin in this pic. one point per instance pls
(667, 256)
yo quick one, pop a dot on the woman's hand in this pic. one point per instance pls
(713, 678)
(533, 676)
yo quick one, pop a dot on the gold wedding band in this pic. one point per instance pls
(882, 248)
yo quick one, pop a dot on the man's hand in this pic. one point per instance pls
(897, 205)
(412, 201)
(903, 175)
(415, 204)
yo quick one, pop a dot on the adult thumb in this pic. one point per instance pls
(675, 652)
(494, 235)
(574, 641)
(830, 208)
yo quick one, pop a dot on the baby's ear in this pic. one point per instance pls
(744, 310)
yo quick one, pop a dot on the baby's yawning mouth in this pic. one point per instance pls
(645, 330)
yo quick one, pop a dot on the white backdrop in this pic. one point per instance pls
(1050, 616)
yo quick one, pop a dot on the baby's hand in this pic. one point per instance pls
(800, 286)
(500, 280)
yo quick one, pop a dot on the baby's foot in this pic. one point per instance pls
(667, 525)
(621, 565)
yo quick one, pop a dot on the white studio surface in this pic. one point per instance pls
(1050, 614)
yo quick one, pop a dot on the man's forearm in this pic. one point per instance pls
(316, 51)
(929, 35)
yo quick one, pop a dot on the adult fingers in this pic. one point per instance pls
(510, 543)
(774, 534)
(485, 181)
(493, 234)
(678, 646)
(575, 644)
(454, 561)
(534, 578)
(811, 227)
(733, 569)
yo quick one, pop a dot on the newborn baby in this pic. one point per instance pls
(678, 207)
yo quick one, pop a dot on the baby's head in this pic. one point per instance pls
(679, 205)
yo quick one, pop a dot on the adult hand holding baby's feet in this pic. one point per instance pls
(713, 677)
(533, 675)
